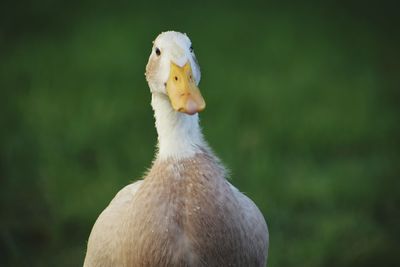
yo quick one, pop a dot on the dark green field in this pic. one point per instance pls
(303, 106)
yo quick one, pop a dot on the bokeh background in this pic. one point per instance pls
(302, 107)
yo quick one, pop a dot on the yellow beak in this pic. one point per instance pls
(182, 91)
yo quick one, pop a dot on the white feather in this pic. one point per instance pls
(179, 134)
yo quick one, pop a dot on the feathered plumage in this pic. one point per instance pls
(184, 212)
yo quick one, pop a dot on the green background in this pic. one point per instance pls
(302, 106)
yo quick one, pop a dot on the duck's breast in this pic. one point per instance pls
(184, 213)
(187, 214)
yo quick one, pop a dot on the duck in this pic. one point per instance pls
(184, 211)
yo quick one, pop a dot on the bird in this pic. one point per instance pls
(184, 211)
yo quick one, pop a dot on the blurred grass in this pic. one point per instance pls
(302, 106)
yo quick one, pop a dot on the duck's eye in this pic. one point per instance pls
(158, 52)
(191, 49)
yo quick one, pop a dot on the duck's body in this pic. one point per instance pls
(184, 212)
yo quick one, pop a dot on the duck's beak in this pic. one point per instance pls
(182, 91)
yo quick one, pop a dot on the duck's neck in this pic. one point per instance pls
(179, 134)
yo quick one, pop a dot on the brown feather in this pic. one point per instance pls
(184, 213)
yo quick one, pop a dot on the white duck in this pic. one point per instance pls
(184, 212)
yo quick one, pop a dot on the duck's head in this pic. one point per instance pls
(173, 71)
